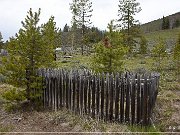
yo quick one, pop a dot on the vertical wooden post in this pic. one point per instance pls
(93, 96)
(122, 98)
(133, 92)
(145, 102)
(107, 96)
(89, 93)
(117, 90)
(138, 111)
(85, 92)
(77, 91)
(97, 95)
(81, 94)
(111, 97)
(102, 96)
(127, 98)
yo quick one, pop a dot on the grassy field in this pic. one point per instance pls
(166, 114)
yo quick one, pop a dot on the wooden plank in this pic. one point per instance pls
(138, 111)
(61, 90)
(52, 93)
(122, 98)
(46, 98)
(85, 93)
(111, 92)
(107, 97)
(145, 102)
(97, 95)
(127, 110)
(70, 91)
(93, 96)
(67, 90)
(64, 88)
(89, 93)
(55, 93)
(117, 89)
(81, 94)
(102, 96)
(77, 93)
(149, 105)
(133, 92)
(74, 91)
(142, 99)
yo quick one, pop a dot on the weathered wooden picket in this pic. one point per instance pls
(124, 98)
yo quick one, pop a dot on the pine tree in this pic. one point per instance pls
(127, 10)
(109, 52)
(27, 53)
(66, 28)
(143, 45)
(159, 52)
(165, 23)
(81, 10)
(1, 42)
(51, 35)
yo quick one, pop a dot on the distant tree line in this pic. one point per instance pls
(167, 23)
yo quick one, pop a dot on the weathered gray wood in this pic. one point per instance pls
(123, 85)
(111, 92)
(138, 111)
(107, 97)
(93, 95)
(97, 95)
(133, 91)
(102, 96)
(117, 91)
(127, 98)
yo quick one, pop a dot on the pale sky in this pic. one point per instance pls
(12, 12)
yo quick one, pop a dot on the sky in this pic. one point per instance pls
(12, 12)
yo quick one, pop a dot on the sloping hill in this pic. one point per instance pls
(170, 36)
(156, 25)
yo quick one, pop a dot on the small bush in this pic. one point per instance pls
(14, 95)
(13, 99)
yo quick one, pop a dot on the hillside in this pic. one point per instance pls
(156, 25)
(170, 36)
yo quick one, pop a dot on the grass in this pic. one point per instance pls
(168, 89)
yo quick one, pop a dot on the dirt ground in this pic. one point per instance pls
(166, 118)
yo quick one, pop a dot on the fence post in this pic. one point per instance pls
(102, 96)
(122, 98)
(93, 96)
(127, 98)
(111, 93)
(97, 95)
(133, 91)
(117, 90)
(138, 112)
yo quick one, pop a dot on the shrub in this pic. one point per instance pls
(13, 98)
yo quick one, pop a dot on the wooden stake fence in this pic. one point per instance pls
(124, 98)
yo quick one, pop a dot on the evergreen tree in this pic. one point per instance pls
(143, 45)
(165, 23)
(159, 52)
(27, 53)
(50, 35)
(109, 52)
(66, 28)
(127, 10)
(1, 42)
(82, 12)
(176, 23)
